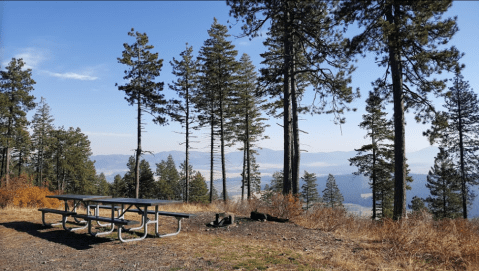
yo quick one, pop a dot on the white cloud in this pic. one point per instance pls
(72, 75)
(107, 134)
(31, 56)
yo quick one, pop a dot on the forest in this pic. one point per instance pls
(219, 89)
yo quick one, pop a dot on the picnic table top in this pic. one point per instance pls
(77, 197)
(132, 201)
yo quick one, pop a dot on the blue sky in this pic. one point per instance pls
(72, 48)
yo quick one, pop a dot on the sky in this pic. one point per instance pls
(72, 48)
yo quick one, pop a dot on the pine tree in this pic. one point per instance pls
(405, 36)
(216, 82)
(15, 87)
(417, 204)
(42, 127)
(102, 185)
(248, 123)
(457, 129)
(309, 191)
(277, 182)
(141, 89)
(305, 41)
(444, 184)
(185, 185)
(147, 182)
(375, 160)
(119, 188)
(186, 70)
(331, 194)
(169, 179)
(199, 190)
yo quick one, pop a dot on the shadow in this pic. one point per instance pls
(78, 241)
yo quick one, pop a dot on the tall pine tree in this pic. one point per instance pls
(457, 130)
(141, 89)
(308, 45)
(186, 70)
(15, 87)
(375, 160)
(42, 125)
(405, 36)
(216, 82)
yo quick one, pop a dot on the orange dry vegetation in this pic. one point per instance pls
(22, 193)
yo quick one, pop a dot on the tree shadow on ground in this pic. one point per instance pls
(78, 241)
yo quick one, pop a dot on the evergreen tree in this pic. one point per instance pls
(129, 178)
(184, 185)
(102, 185)
(457, 129)
(331, 194)
(277, 182)
(119, 188)
(169, 179)
(375, 160)
(42, 127)
(444, 185)
(405, 36)
(15, 87)
(248, 123)
(417, 204)
(198, 188)
(147, 182)
(306, 44)
(216, 83)
(309, 191)
(141, 89)
(187, 72)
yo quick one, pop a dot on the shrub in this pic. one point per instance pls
(22, 193)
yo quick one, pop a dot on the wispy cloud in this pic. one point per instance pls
(31, 56)
(72, 75)
(107, 134)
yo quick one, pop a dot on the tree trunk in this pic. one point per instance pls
(399, 126)
(248, 158)
(461, 152)
(243, 182)
(287, 185)
(7, 167)
(211, 154)
(374, 178)
(295, 148)
(138, 152)
(187, 139)
(222, 138)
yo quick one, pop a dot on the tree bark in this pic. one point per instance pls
(187, 139)
(211, 153)
(461, 153)
(138, 152)
(222, 138)
(399, 125)
(248, 156)
(295, 148)
(374, 178)
(243, 179)
(287, 185)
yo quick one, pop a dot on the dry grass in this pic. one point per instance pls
(416, 243)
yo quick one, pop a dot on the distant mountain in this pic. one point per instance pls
(355, 189)
(270, 161)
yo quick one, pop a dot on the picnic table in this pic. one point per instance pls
(121, 206)
(77, 201)
(126, 205)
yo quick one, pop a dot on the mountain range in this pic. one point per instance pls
(355, 189)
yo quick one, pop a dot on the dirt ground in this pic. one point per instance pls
(25, 244)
